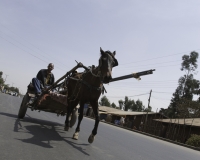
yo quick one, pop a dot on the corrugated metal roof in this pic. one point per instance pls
(108, 109)
(188, 121)
(119, 112)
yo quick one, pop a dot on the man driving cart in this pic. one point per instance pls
(43, 80)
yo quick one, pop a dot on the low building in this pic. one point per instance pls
(179, 129)
(142, 121)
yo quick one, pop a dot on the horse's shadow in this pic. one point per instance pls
(44, 132)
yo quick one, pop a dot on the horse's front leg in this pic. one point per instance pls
(97, 119)
(67, 121)
(80, 117)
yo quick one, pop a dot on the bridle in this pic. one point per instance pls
(98, 75)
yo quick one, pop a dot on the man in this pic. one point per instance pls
(122, 121)
(44, 79)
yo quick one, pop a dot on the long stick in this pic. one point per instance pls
(174, 129)
(178, 129)
(190, 128)
(157, 124)
(134, 75)
(67, 74)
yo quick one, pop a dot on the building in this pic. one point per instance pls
(179, 129)
(142, 121)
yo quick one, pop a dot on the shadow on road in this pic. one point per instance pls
(45, 133)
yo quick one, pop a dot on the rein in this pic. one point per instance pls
(81, 81)
(98, 74)
(91, 87)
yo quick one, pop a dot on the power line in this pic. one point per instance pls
(6, 77)
(28, 41)
(35, 52)
(152, 64)
(163, 92)
(158, 57)
(28, 52)
(143, 83)
(155, 67)
(129, 96)
(149, 81)
(161, 98)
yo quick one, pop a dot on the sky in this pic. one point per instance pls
(145, 35)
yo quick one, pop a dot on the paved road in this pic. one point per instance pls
(40, 136)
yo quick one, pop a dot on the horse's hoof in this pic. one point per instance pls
(66, 128)
(75, 136)
(91, 138)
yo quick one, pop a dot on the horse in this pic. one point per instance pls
(87, 87)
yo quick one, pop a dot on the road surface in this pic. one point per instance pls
(41, 136)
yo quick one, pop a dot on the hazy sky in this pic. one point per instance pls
(145, 35)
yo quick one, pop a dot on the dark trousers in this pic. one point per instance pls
(36, 84)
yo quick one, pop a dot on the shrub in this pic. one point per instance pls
(194, 140)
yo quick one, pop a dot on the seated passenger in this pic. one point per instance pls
(43, 80)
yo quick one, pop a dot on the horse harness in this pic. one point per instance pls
(89, 86)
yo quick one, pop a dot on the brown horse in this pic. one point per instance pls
(87, 87)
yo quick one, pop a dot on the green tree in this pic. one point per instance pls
(128, 103)
(6, 86)
(1, 79)
(113, 105)
(121, 103)
(138, 106)
(104, 102)
(187, 85)
(148, 109)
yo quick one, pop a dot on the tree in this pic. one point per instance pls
(128, 103)
(121, 103)
(104, 101)
(113, 105)
(138, 106)
(1, 79)
(148, 109)
(188, 108)
(6, 86)
(187, 85)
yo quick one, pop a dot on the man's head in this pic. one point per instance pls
(50, 67)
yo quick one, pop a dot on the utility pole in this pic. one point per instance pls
(147, 109)
(149, 97)
(6, 77)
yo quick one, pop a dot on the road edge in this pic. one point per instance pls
(147, 134)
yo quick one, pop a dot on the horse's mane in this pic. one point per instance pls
(110, 53)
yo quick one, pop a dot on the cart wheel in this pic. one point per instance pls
(23, 107)
(74, 117)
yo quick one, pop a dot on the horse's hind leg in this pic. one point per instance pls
(70, 108)
(97, 118)
(80, 117)
(67, 121)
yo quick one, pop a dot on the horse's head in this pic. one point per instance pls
(106, 62)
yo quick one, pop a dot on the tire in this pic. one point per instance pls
(23, 107)
(74, 117)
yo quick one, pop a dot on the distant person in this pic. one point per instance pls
(122, 121)
(140, 126)
(43, 80)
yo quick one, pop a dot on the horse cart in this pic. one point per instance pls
(63, 97)
(56, 101)
(53, 100)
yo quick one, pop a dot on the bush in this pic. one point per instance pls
(194, 140)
